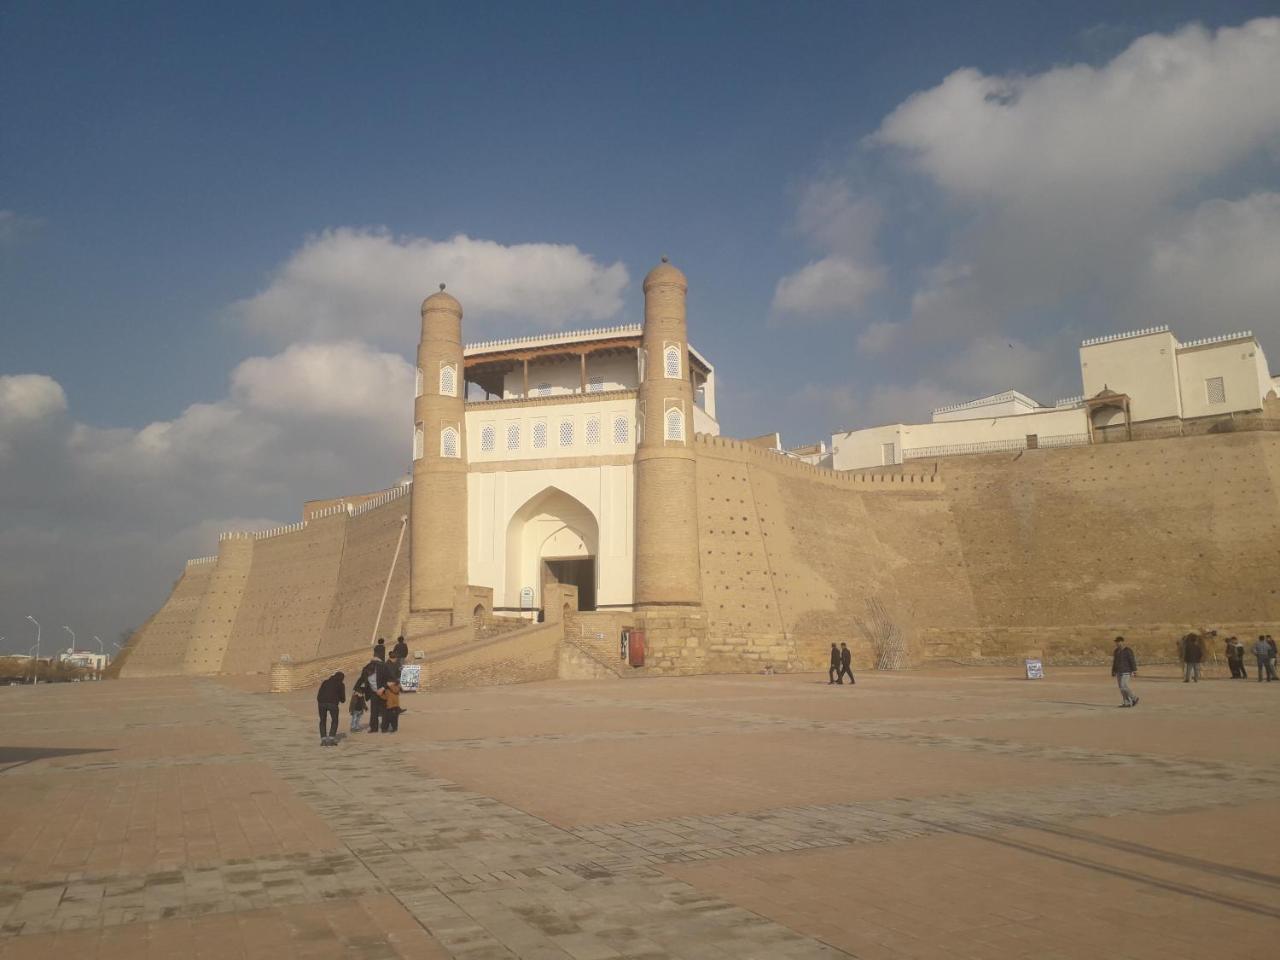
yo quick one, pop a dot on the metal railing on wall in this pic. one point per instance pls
(994, 446)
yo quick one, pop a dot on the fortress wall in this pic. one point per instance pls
(159, 648)
(216, 616)
(791, 554)
(1066, 548)
(367, 551)
(290, 591)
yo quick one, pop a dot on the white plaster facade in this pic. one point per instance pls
(1162, 378)
(550, 469)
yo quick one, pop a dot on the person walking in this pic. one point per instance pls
(391, 711)
(834, 668)
(400, 652)
(845, 659)
(1124, 666)
(1271, 656)
(1262, 653)
(380, 650)
(332, 692)
(1193, 655)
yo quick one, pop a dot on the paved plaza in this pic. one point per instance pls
(947, 813)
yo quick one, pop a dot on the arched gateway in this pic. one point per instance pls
(553, 538)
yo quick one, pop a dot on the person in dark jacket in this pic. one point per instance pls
(380, 650)
(332, 692)
(1262, 653)
(845, 659)
(373, 677)
(835, 664)
(1235, 659)
(1123, 666)
(400, 651)
(1193, 656)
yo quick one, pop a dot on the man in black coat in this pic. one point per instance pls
(373, 677)
(380, 650)
(835, 664)
(400, 651)
(332, 692)
(1123, 666)
(846, 657)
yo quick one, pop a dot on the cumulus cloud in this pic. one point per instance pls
(103, 518)
(1215, 268)
(369, 284)
(827, 285)
(14, 227)
(345, 380)
(843, 226)
(28, 397)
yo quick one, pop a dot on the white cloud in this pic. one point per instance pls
(843, 226)
(369, 284)
(345, 380)
(1217, 269)
(1165, 113)
(28, 397)
(879, 337)
(826, 286)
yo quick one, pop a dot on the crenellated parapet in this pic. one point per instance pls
(743, 452)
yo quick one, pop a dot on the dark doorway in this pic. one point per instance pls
(580, 572)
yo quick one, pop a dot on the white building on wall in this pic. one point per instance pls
(551, 434)
(1142, 377)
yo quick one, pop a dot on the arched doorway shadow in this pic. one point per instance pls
(553, 538)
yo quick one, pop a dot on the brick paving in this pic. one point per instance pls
(957, 813)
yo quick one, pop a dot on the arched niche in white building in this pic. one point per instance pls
(553, 538)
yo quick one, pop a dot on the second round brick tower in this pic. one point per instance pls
(438, 549)
(668, 584)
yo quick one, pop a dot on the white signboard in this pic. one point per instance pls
(410, 677)
(1035, 670)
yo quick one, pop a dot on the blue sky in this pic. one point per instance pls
(866, 197)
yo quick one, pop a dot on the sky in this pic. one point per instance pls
(217, 222)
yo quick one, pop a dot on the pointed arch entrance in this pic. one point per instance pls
(553, 538)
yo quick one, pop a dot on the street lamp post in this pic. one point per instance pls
(35, 668)
(102, 652)
(73, 638)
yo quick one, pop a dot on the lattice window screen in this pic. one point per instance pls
(417, 383)
(566, 433)
(675, 424)
(488, 437)
(1215, 391)
(448, 380)
(593, 430)
(513, 436)
(449, 442)
(540, 434)
(595, 385)
(671, 364)
(417, 441)
(620, 430)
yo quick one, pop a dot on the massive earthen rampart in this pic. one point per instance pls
(1039, 552)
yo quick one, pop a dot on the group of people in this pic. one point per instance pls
(377, 688)
(839, 669)
(1191, 653)
(1263, 650)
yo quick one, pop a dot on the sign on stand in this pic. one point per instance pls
(410, 677)
(1035, 670)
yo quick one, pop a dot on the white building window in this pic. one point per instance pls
(542, 390)
(539, 434)
(417, 441)
(620, 430)
(417, 383)
(593, 431)
(675, 424)
(488, 438)
(595, 385)
(671, 361)
(1214, 390)
(888, 455)
(566, 433)
(513, 436)
(448, 380)
(449, 442)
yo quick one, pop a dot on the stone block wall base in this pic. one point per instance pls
(420, 622)
(676, 640)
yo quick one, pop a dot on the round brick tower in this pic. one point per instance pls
(438, 549)
(666, 558)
